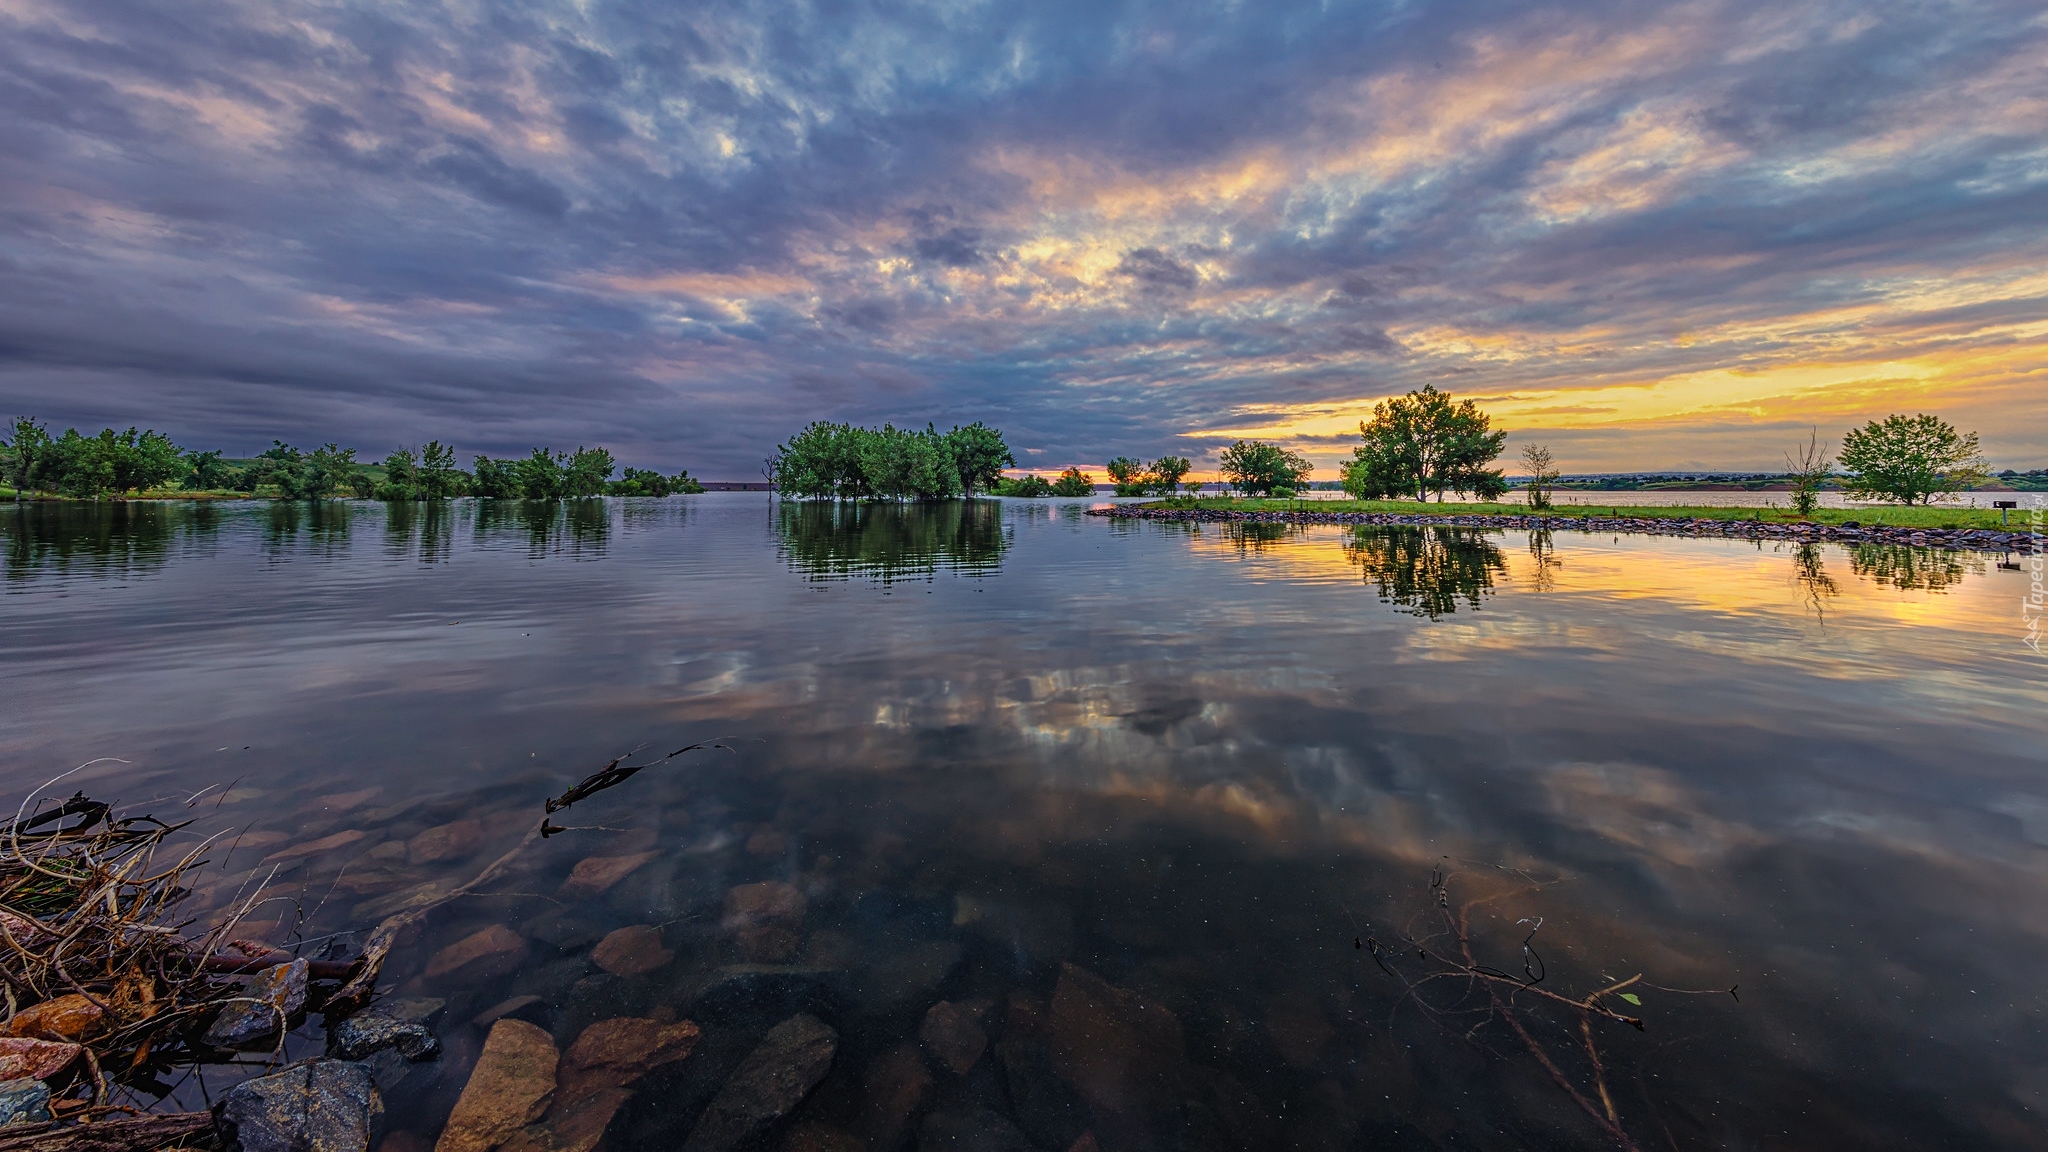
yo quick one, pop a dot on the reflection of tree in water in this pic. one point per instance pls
(889, 542)
(1913, 569)
(1543, 578)
(1426, 570)
(325, 523)
(432, 521)
(111, 538)
(1257, 537)
(1813, 580)
(578, 527)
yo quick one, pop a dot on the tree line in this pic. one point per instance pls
(114, 464)
(845, 462)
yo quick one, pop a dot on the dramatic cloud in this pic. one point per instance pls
(1651, 236)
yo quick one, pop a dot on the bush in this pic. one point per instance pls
(1074, 482)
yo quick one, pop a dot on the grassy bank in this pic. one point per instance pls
(1891, 516)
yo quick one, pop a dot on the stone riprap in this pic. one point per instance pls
(1852, 532)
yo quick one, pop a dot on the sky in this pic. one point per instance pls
(1671, 236)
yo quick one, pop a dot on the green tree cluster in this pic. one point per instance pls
(1029, 485)
(1910, 459)
(1256, 468)
(109, 464)
(1422, 443)
(1134, 477)
(1074, 482)
(844, 462)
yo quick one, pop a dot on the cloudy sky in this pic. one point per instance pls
(1649, 235)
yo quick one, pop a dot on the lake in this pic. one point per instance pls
(1131, 799)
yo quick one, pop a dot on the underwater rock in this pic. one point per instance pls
(633, 951)
(952, 1034)
(489, 952)
(594, 874)
(446, 842)
(773, 1079)
(897, 1086)
(755, 995)
(766, 918)
(510, 1088)
(978, 1131)
(1124, 1053)
(318, 1106)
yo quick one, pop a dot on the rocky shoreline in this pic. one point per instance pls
(1954, 539)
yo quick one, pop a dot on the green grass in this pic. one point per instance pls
(1891, 516)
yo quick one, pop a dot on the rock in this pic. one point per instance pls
(403, 1025)
(274, 996)
(447, 842)
(509, 1089)
(771, 1081)
(627, 1046)
(897, 1086)
(951, 1034)
(978, 1131)
(343, 801)
(821, 1138)
(594, 874)
(633, 951)
(755, 995)
(69, 1017)
(1121, 1051)
(24, 1101)
(316, 847)
(23, 1058)
(766, 918)
(385, 906)
(902, 979)
(318, 1106)
(570, 928)
(768, 842)
(1050, 1112)
(600, 996)
(490, 952)
(575, 1126)
(531, 1009)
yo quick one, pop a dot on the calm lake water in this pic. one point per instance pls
(1154, 782)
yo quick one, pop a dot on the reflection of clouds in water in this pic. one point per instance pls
(1646, 810)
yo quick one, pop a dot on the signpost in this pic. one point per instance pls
(2003, 507)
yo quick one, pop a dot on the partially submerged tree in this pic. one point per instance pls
(1910, 459)
(840, 461)
(1422, 443)
(1074, 482)
(1256, 468)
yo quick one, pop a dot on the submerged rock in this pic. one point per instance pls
(318, 1106)
(274, 996)
(595, 1076)
(489, 952)
(952, 1035)
(767, 1085)
(897, 1086)
(754, 995)
(633, 951)
(766, 918)
(594, 874)
(446, 842)
(404, 1025)
(897, 980)
(978, 1131)
(1123, 1052)
(510, 1088)
(24, 1101)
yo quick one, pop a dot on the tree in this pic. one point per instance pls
(540, 475)
(1422, 443)
(329, 469)
(587, 472)
(979, 456)
(401, 476)
(439, 478)
(495, 479)
(1536, 458)
(1256, 468)
(1910, 459)
(1030, 485)
(1809, 468)
(27, 455)
(1074, 482)
(1167, 471)
(1129, 476)
(207, 472)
